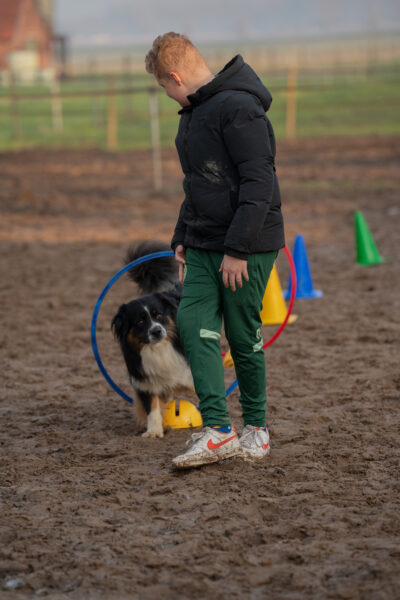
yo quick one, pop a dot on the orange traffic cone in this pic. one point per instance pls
(274, 307)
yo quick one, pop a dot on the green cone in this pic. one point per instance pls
(367, 252)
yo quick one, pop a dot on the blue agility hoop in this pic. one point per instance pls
(130, 266)
(96, 353)
(99, 302)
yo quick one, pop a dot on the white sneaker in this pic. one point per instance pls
(255, 442)
(208, 446)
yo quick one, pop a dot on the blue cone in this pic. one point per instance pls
(305, 287)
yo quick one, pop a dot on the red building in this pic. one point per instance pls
(26, 33)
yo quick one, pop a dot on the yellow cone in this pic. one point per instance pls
(181, 414)
(273, 311)
(274, 307)
(228, 360)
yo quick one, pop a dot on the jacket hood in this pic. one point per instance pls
(236, 75)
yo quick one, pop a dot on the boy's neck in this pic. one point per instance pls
(200, 81)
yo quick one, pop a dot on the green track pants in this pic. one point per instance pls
(204, 301)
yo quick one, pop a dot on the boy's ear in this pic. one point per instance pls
(176, 77)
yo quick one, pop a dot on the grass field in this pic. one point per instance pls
(326, 106)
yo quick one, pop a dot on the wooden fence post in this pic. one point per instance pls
(56, 106)
(291, 103)
(112, 116)
(95, 84)
(15, 116)
(127, 79)
(155, 140)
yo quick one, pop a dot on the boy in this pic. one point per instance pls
(227, 237)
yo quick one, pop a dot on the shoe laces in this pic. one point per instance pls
(195, 437)
(255, 434)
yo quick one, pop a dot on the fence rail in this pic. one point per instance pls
(112, 107)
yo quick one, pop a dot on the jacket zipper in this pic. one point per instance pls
(186, 151)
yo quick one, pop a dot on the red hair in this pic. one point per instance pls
(172, 52)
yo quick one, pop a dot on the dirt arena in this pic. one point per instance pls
(89, 509)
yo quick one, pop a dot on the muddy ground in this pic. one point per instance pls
(89, 509)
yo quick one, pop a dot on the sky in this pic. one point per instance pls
(119, 22)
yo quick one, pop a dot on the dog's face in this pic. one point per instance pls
(143, 321)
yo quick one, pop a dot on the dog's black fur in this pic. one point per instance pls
(147, 333)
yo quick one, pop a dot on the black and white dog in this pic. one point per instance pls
(147, 332)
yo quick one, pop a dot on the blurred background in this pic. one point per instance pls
(72, 73)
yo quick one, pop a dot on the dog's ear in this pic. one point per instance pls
(120, 324)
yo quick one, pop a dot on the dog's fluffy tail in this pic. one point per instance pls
(157, 275)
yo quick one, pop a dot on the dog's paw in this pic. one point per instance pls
(153, 434)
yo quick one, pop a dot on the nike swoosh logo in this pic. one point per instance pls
(212, 446)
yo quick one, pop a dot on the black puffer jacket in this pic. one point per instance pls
(226, 146)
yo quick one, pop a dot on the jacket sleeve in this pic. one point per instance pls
(246, 135)
(180, 228)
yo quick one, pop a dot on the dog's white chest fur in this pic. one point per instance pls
(165, 369)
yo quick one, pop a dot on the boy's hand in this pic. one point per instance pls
(232, 270)
(180, 256)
